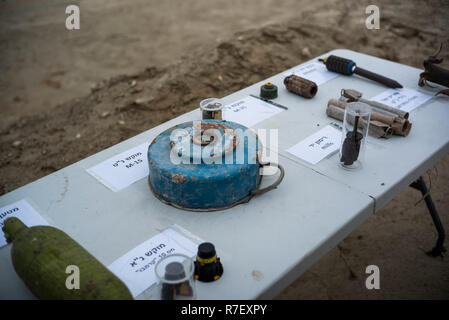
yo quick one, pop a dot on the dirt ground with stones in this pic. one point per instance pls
(39, 133)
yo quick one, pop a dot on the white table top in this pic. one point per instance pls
(278, 235)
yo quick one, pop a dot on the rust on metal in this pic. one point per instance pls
(178, 178)
(198, 135)
(244, 200)
(300, 86)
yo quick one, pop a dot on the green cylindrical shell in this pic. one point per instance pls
(41, 255)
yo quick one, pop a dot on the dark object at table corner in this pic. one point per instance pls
(349, 67)
(434, 73)
(270, 102)
(438, 250)
(269, 91)
(208, 267)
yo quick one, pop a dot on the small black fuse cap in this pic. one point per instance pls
(269, 91)
(208, 267)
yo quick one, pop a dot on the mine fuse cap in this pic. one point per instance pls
(208, 267)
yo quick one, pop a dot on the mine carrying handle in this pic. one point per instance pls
(275, 184)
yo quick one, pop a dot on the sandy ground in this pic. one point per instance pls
(67, 95)
(43, 64)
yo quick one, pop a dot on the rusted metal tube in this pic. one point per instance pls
(300, 86)
(377, 129)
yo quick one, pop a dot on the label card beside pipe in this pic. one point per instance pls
(403, 99)
(22, 210)
(123, 169)
(318, 146)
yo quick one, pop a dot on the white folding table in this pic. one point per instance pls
(269, 242)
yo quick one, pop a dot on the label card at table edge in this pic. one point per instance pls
(24, 211)
(136, 267)
(317, 146)
(122, 170)
(404, 99)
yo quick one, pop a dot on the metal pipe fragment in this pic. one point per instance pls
(398, 125)
(354, 95)
(376, 129)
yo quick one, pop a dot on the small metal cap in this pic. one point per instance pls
(206, 250)
(208, 267)
(174, 271)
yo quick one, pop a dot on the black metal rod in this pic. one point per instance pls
(349, 67)
(438, 249)
(377, 77)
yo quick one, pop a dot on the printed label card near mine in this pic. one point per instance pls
(122, 170)
(318, 146)
(249, 111)
(137, 267)
(22, 210)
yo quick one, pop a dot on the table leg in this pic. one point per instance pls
(438, 249)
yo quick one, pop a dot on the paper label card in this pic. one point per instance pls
(137, 267)
(404, 99)
(313, 71)
(22, 210)
(249, 111)
(123, 169)
(318, 146)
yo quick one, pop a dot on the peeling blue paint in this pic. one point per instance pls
(204, 186)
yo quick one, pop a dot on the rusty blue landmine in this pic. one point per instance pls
(202, 186)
